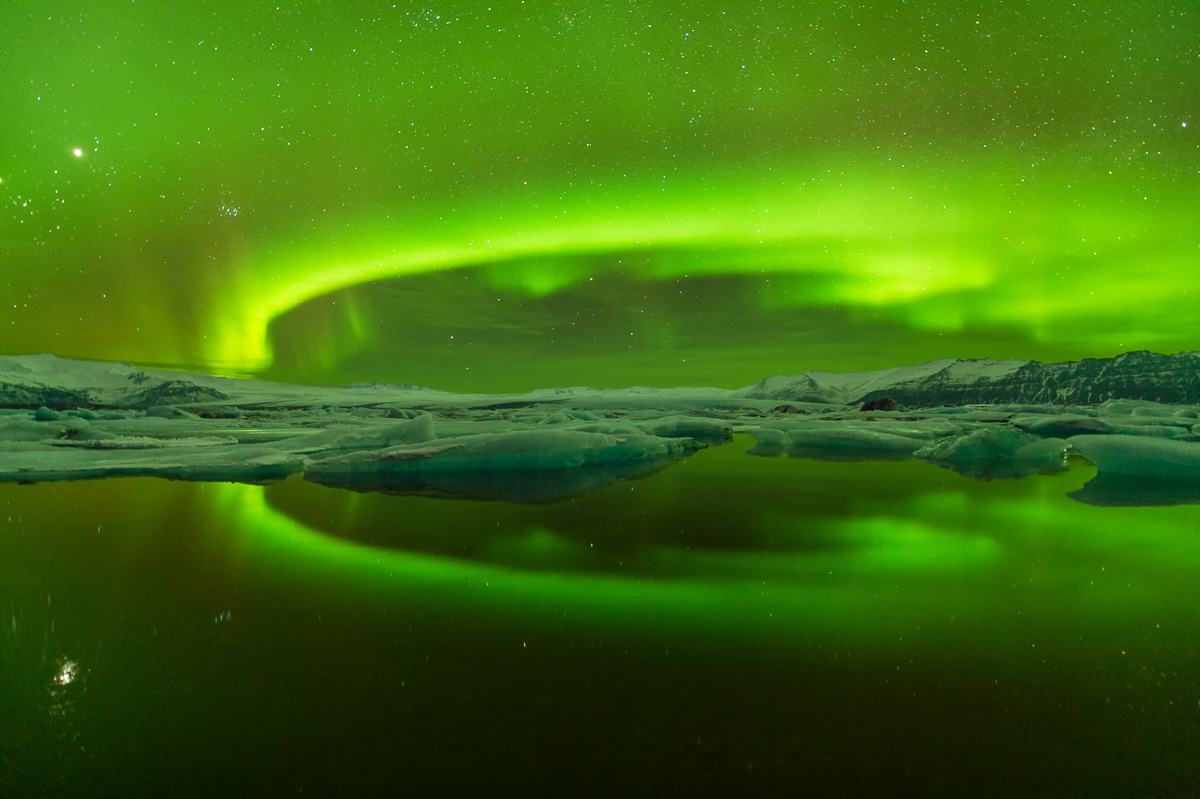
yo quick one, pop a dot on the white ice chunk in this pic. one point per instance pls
(1062, 426)
(142, 442)
(540, 448)
(1128, 407)
(24, 429)
(1139, 470)
(855, 438)
(709, 431)
(1155, 430)
(231, 463)
(1141, 455)
(540, 465)
(769, 442)
(851, 437)
(377, 436)
(991, 453)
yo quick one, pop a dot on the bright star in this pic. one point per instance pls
(78, 152)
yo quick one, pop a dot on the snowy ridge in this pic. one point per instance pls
(31, 381)
(848, 388)
(35, 380)
(1137, 375)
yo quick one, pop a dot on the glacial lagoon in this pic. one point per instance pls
(729, 625)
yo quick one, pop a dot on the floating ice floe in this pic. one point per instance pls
(203, 462)
(852, 439)
(71, 420)
(540, 465)
(374, 437)
(520, 449)
(997, 453)
(708, 431)
(1138, 470)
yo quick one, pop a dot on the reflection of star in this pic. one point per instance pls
(78, 152)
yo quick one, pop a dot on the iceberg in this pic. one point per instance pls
(859, 437)
(412, 431)
(709, 431)
(1139, 470)
(997, 453)
(202, 461)
(516, 450)
(528, 466)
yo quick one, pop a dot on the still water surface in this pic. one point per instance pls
(731, 625)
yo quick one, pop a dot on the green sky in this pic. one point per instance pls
(605, 194)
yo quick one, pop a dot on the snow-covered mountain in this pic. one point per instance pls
(33, 380)
(1133, 375)
(29, 381)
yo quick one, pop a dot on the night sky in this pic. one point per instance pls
(548, 193)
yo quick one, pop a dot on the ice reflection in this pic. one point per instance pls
(726, 544)
(716, 516)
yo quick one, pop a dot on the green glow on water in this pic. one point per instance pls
(782, 612)
(830, 560)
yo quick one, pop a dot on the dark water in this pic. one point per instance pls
(730, 626)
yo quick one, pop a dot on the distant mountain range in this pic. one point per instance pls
(29, 381)
(1133, 375)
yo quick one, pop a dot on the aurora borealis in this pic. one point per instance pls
(598, 194)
